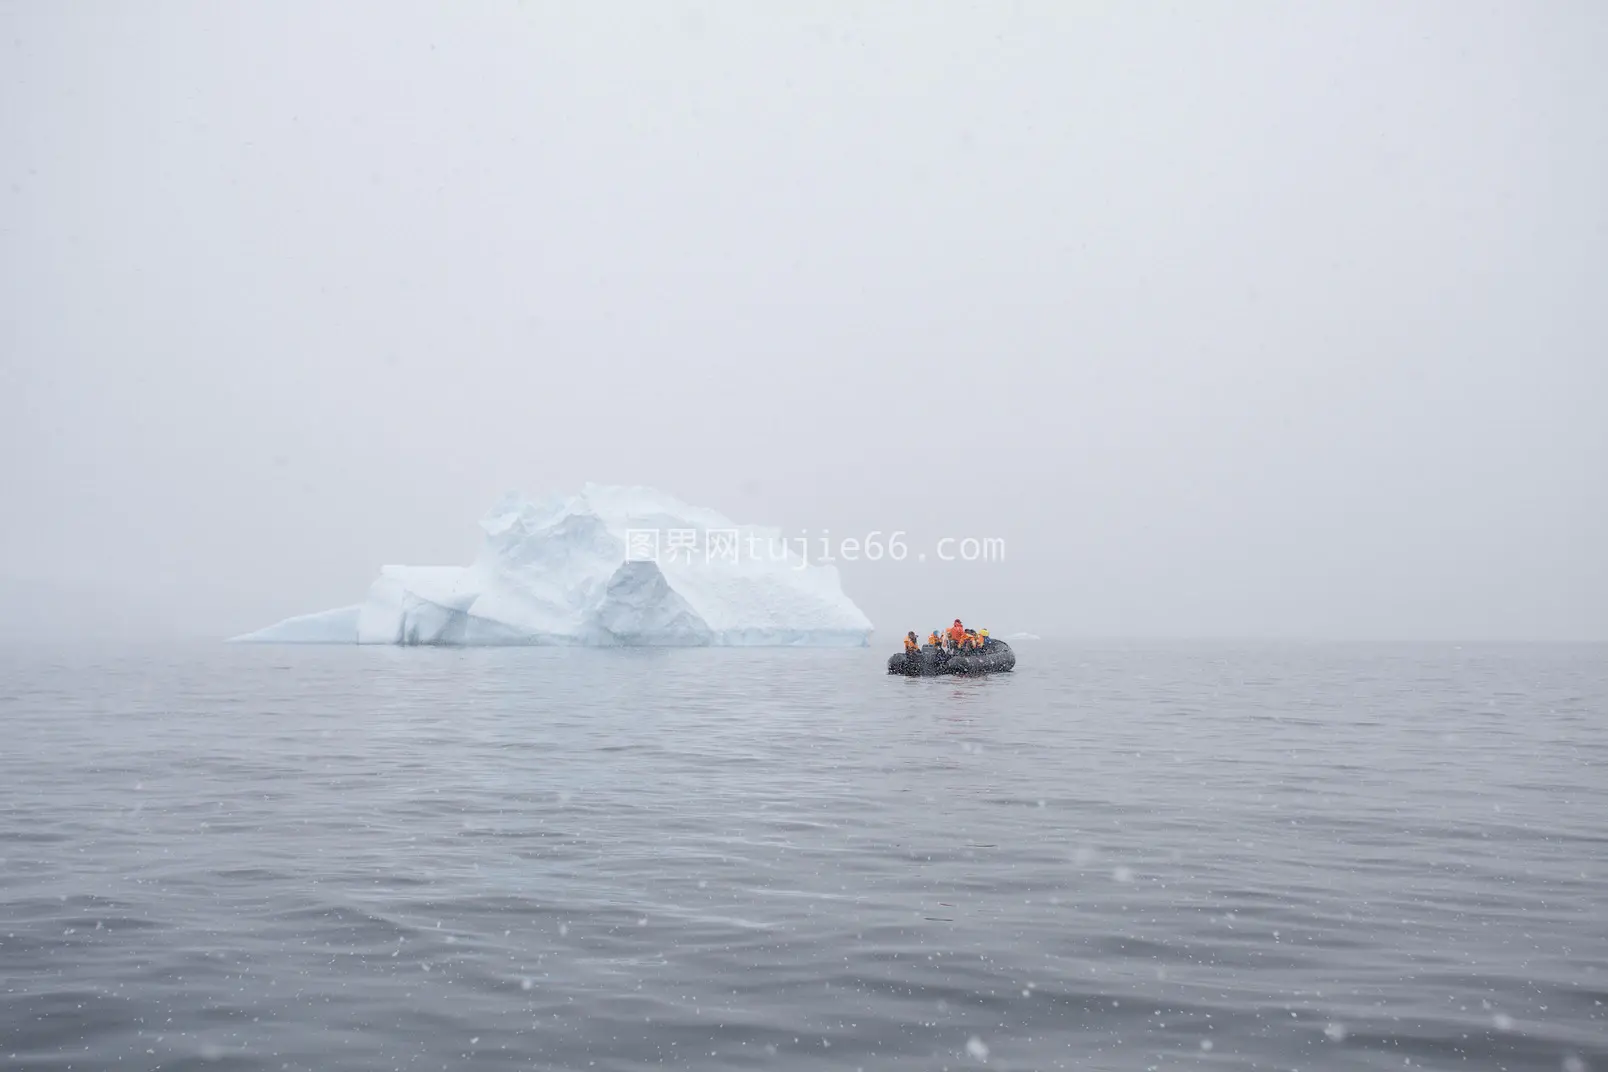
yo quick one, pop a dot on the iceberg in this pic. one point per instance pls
(609, 566)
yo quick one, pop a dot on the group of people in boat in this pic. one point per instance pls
(957, 639)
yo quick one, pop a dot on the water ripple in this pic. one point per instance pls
(1127, 857)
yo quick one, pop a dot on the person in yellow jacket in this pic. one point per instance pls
(982, 639)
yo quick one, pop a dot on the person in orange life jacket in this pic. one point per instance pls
(957, 634)
(912, 645)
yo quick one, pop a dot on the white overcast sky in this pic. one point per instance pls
(1230, 319)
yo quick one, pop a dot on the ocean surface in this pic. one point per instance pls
(1121, 856)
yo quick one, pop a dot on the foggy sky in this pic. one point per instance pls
(1230, 319)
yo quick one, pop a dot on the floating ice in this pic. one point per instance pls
(608, 566)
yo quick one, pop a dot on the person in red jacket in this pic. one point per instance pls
(957, 635)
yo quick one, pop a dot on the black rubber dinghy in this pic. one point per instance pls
(930, 661)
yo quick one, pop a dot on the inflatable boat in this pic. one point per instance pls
(930, 660)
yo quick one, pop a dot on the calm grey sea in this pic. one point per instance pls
(1118, 857)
